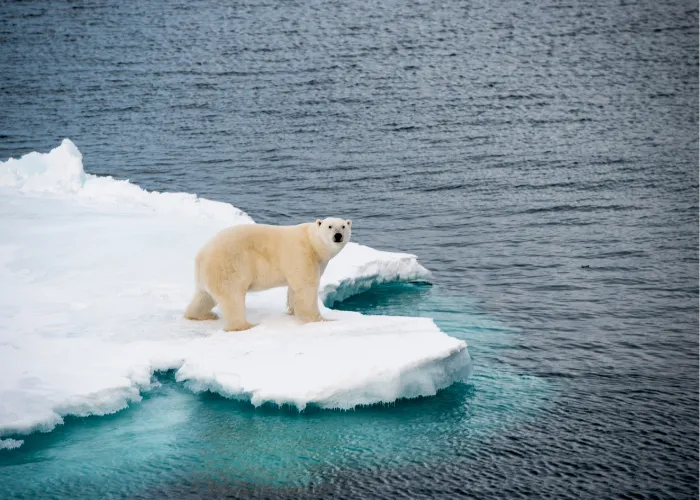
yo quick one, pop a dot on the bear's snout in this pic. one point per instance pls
(338, 237)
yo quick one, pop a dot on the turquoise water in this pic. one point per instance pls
(175, 439)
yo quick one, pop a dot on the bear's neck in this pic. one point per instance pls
(323, 253)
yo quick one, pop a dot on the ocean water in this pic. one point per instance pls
(541, 158)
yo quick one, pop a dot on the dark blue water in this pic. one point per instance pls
(541, 158)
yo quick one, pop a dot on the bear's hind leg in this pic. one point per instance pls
(291, 301)
(233, 308)
(200, 307)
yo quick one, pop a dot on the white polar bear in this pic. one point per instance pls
(257, 257)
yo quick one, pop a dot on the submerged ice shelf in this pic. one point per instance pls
(96, 273)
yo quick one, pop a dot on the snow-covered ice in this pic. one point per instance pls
(95, 274)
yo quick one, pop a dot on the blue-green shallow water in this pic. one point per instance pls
(175, 441)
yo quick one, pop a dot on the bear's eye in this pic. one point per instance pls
(343, 227)
(330, 227)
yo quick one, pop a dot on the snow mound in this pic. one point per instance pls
(363, 267)
(60, 172)
(96, 274)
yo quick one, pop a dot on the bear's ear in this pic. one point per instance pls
(319, 222)
(348, 222)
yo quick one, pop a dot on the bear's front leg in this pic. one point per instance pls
(306, 305)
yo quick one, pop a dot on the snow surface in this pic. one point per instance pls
(95, 276)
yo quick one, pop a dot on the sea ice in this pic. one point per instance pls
(10, 444)
(95, 276)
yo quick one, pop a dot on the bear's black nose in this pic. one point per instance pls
(338, 237)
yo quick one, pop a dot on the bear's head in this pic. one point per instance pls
(334, 233)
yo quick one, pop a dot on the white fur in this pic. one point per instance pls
(257, 257)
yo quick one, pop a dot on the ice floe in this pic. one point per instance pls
(96, 273)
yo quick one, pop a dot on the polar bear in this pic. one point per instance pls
(254, 257)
